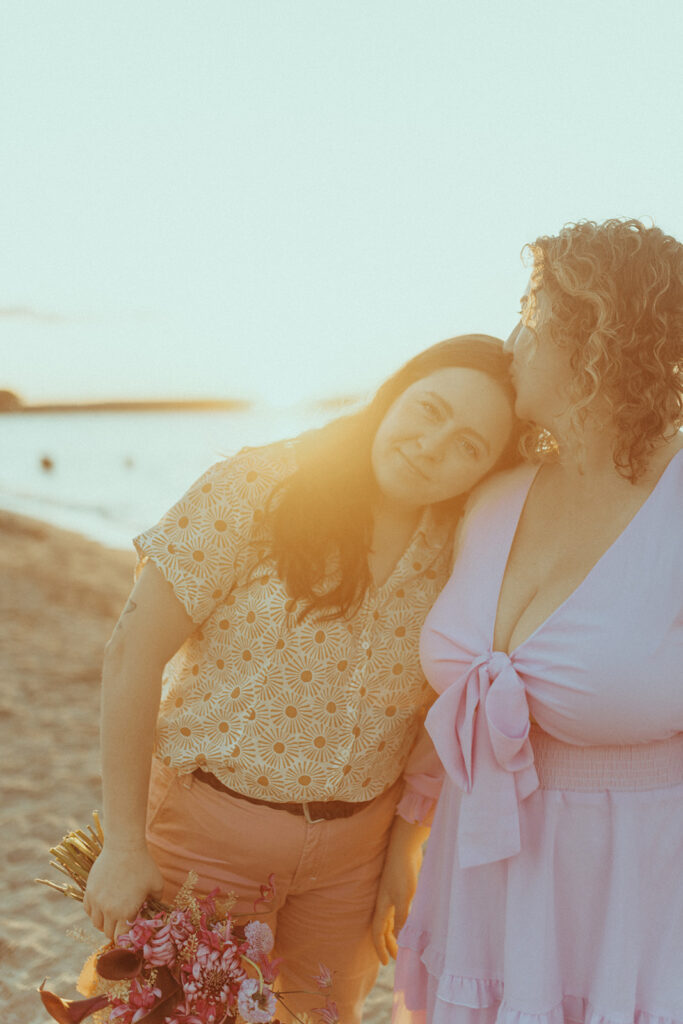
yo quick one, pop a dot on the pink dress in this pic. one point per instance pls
(552, 886)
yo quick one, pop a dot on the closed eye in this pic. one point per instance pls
(431, 409)
(469, 448)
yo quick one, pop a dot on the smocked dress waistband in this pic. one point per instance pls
(629, 767)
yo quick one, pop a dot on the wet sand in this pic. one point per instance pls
(59, 599)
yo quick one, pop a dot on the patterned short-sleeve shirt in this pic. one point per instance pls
(278, 709)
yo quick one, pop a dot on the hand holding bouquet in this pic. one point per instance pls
(191, 963)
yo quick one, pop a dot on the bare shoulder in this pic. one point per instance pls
(497, 486)
(489, 492)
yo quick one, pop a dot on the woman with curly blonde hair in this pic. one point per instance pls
(552, 887)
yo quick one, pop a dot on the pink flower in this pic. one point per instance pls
(270, 968)
(267, 892)
(329, 1012)
(122, 1011)
(180, 924)
(181, 1015)
(220, 935)
(155, 938)
(140, 932)
(212, 980)
(141, 999)
(255, 1003)
(260, 939)
(160, 950)
(200, 962)
(207, 903)
(323, 978)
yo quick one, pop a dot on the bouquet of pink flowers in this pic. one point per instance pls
(191, 963)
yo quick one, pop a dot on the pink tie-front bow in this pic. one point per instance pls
(480, 728)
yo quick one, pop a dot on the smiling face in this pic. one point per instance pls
(541, 369)
(441, 436)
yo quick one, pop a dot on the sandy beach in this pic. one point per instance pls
(60, 597)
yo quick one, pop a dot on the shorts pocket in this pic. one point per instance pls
(161, 781)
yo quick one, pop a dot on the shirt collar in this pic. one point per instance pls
(429, 539)
(432, 531)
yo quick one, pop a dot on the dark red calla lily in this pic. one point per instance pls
(171, 990)
(159, 1013)
(167, 982)
(119, 964)
(71, 1011)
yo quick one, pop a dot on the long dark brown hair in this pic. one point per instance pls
(318, 521)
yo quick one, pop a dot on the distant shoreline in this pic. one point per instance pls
(333, 404)
(143, 405)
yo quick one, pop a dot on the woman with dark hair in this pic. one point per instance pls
(282, 599)
(552, 887)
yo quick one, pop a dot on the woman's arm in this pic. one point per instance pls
(152, 626)
(423, 776)
(397, 885)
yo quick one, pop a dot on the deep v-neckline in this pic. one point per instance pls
(591, 572)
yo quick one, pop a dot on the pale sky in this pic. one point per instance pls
(288, 198)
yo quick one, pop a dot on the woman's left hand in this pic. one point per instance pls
(397, 885)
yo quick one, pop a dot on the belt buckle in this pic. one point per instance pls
(307, 815)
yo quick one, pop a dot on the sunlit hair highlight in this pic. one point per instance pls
(616, 291)
(319, 520)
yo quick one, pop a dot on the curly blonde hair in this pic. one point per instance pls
(617, 304)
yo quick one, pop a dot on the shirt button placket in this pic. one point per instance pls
(359, 676)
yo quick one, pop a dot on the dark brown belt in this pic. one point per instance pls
(315, 810)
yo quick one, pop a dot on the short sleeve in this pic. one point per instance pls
(423, 778)
(202, 544)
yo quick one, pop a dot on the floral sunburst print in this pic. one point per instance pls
(255, 691)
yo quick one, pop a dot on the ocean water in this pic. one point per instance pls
(114, 474)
